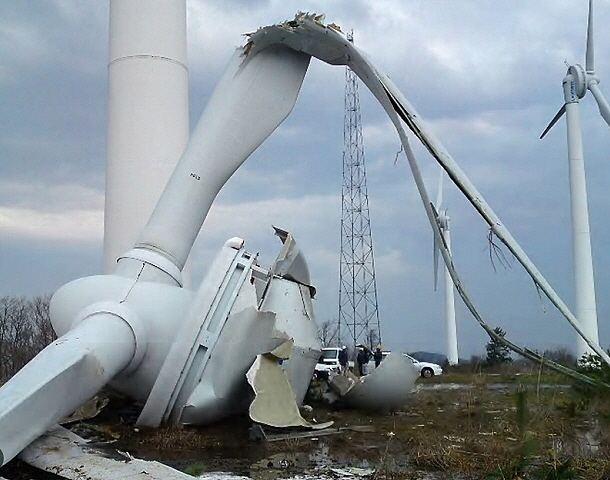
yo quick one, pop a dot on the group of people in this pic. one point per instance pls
(362, 359)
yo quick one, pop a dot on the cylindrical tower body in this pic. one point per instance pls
(147, 114)
(584, 284)
(452, 345)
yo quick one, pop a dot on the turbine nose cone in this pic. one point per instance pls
(579, 78)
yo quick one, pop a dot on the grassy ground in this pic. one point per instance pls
(519, 430)
(503, 425)
(462, 425)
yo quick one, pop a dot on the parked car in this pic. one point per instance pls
(425, 369)
(329, 362)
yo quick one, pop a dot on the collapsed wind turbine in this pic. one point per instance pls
(575, 85)
(185, 354)
(141, 331)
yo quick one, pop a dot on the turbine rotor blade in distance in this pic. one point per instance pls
(436, 253)
(590, 53)
(439, 192)
(435, 246)
(604, 108)
(557, 116)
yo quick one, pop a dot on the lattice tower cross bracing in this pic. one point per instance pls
(358, 308)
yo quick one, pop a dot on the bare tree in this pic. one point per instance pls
(327, 333)
(20, 335)
(44, 333)
(561, 355)
(6, 307)
(372, 339)
(25, 329)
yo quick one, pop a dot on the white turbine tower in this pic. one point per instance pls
(148, 120)
(451, 328)
(575, 85)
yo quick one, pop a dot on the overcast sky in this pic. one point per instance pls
(485, 75)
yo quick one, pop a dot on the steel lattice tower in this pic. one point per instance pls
(358, 309)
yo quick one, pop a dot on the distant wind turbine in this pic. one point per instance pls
(575, 85)
(443, 225)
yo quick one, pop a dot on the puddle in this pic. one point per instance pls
(315, 464)
(443, 386)
(319, 464)
(488, 386)
(584, 442)
(222, 476)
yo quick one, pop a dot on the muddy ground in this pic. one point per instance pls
(477, 428)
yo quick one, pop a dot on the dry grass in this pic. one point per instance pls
(517, 432)
(522, 430)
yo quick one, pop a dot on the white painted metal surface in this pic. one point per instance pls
(63, 453)
(172, 372)
(274, 403)
(584, 284)
(289, 294)
(148, 123)
(212, 351)
(144, 295)
(291, 303)
(61, 378)
(387, 388)
(254, 95)
(253, 325)
(450, 323)
(448, 294)
(575, 85)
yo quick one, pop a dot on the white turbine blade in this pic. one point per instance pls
(255, 94)
(557, 116)
(439, 192)
(590, 53)
(61, 378)
(310, 36)
(604, 108)
(437, 210)
(436, 251)
(401, 107)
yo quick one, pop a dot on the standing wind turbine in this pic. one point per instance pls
(575, 85)
(442, 217)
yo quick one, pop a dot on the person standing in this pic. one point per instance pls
(362, 359)
(343, 360)
(378, 356)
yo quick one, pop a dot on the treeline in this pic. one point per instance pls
(330, 336)
(25, 329)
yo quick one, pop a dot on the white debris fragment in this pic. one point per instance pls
(274, 403)
(66, 454)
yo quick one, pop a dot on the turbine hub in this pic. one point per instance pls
(579, 78)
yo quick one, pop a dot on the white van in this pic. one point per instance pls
(329, 362)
